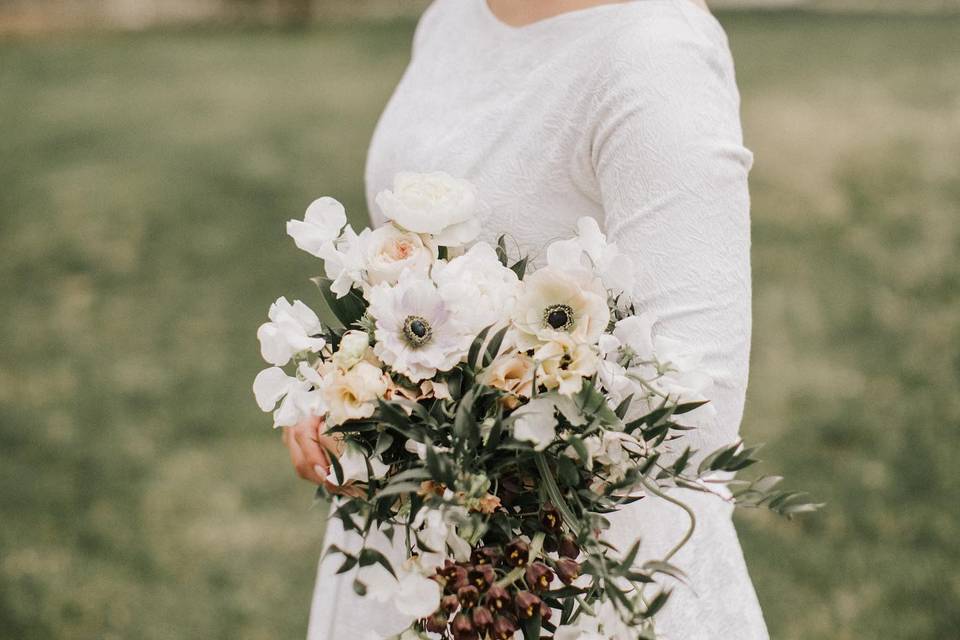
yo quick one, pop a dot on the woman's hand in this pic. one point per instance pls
(310, 451)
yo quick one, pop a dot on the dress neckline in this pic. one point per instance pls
(542, 23)
(495, 24)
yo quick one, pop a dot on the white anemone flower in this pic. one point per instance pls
(320, 226)
(536, 423)
(300, 398)
(345, 261)
(292, 328)
(591, 249)
(416, 333)
(436, 203)
(560, 304)
(478, 288)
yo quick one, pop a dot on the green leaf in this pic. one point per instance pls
(502, 250)
(371, 556)
(493, 348)
(531, 627)
(475, 346)
(346, 310)
(398, 488)
(519, 267)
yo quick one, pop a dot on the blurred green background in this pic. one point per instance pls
(144, 184)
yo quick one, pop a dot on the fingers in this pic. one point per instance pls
(302, 463)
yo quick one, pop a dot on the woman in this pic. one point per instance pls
(626, 111)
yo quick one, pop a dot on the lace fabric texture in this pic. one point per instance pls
(628, 113)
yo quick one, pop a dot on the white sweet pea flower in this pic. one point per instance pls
(416, 333)
(352, 349)
(558, 304)
(354, 465)
(411, 593)
(437, 529)
(590, 249)
(320, 227)
(535, 422)
(478, 288)
(299, 398)
(345, 261)
(292, 328)
(434, 203)
(390, 251)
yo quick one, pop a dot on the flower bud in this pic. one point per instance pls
(455, 577)
(538, 576)
(504, 628)
(550, 519)
(462, 628)
(449, 603)
(482, 619)
(528, 605)
(485, 555)
(567, 547)
(567, 570)
(518, 553)
(437, 623)
(482, 576)
(469, 596)
(498, 598)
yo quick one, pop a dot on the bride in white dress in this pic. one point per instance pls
(626, 111)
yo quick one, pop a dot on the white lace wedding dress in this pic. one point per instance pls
(628, 113)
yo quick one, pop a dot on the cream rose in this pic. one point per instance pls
(352, 395)
(434, 203)
(513, 373)
(390, 251)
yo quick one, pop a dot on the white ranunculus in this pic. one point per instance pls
(434, 203)
(345, 261)
(478, 288)
(437, 530)
(535, 422)
(560, 304)
(299, 398)
(352, 349)
(353, 394)
(292, 328)
(320, 227)
(416, 334)
(390, 251)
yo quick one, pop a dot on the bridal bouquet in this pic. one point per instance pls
(489, 415)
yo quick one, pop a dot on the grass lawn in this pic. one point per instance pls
(145, 182)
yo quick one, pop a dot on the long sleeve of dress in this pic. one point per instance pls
(671, 172)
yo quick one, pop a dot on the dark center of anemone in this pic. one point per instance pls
(559, 317)
(417, 331)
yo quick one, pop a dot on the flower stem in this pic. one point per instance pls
(652, 488)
